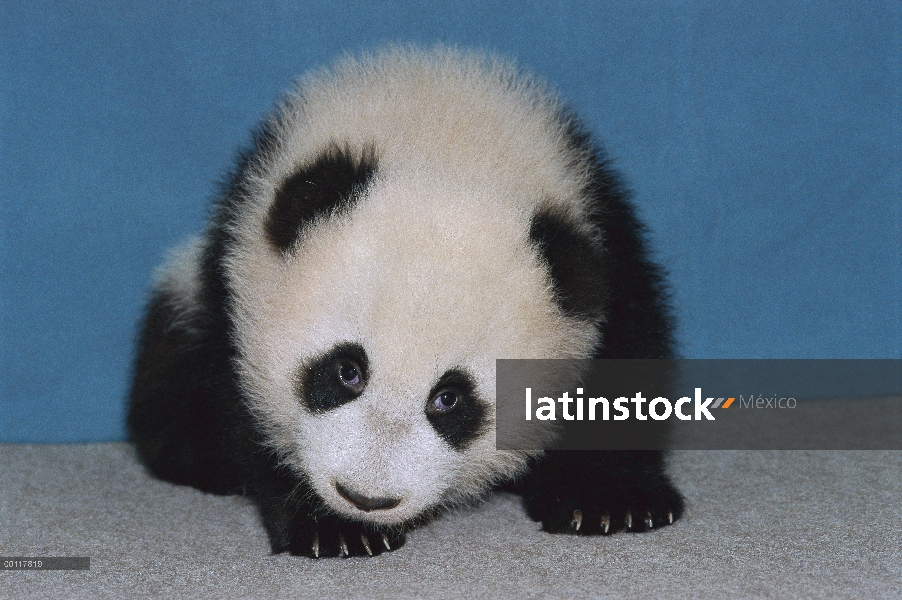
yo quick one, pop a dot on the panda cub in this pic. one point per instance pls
(328, 345)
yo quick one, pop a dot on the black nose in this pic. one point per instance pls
(364, 503)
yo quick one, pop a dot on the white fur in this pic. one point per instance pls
(432, 269)
(179, 280)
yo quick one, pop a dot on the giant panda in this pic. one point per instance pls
(327, 346)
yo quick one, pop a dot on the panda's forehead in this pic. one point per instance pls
(422, 269)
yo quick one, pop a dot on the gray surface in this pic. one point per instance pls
(760, 524)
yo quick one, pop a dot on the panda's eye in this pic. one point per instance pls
(333, 378)
(349, 374)
(443, 401)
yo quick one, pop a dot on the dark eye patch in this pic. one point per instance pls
(455, 411)
(334, 181)
(334, 378)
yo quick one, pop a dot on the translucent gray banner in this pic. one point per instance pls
(699, 404)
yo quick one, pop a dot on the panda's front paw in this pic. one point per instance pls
(331, 536)
(602, 518)
(600, 493)
(595, 510)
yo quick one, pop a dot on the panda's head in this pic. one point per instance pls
(413, 218)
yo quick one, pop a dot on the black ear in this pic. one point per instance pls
(576, 262)
(332, 182)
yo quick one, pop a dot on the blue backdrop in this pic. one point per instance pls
(761, 141)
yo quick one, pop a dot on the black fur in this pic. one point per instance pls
(182, 383)
(609, 489)
(460, 426)
(191, 425)
(639, 321)
(333, 182)
(577, 264)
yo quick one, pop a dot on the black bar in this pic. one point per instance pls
(45, 563)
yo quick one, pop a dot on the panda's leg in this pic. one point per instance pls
(601, 492)
(175, 404)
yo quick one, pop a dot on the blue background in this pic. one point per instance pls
(761, 141)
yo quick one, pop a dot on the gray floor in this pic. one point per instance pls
(759, 525)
